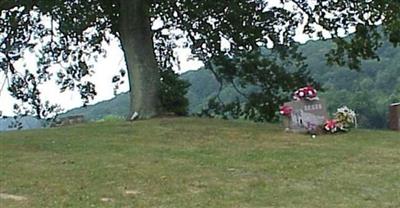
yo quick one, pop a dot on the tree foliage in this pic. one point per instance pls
(78, 29)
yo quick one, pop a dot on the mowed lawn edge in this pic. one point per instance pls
(192, 162)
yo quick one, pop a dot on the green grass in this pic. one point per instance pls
(187, 162)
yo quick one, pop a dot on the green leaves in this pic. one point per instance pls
(263, 83)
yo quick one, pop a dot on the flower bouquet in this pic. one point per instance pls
(345, 118)
(305, 93)
(285, 110)
(331, 126)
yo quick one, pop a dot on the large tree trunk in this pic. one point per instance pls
(137, 44)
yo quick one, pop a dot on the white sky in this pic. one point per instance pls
(105, 69)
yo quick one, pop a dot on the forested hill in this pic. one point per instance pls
(375, 75)
(368, 92)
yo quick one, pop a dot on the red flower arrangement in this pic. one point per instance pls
(285, 110)
(331, 125)
(305, 93)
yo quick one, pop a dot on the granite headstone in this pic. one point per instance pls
(306, 115)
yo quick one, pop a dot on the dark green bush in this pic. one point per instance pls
(173, 91)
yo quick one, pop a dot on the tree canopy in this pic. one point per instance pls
(228, 36)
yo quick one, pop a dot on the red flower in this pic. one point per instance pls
(331, 125)
(285, 110)
(308, 93)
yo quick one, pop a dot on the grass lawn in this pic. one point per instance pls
(188, 162)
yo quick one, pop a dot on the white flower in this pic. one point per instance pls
(346, 114)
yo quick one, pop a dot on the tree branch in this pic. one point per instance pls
(238, 90)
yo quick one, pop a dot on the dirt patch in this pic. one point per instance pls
(12, 197)
(132, 192)
(105, 199)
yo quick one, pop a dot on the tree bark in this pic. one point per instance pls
(137, 44)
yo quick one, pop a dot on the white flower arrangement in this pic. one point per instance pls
(346, 110)
(345, 118)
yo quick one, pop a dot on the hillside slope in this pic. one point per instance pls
(186, 162)
(118, 106)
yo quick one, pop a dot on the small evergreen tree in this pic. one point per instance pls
(172, 93)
